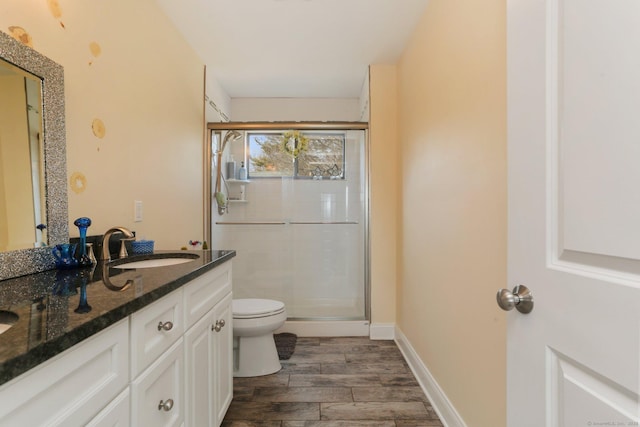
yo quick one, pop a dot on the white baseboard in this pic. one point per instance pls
(439, 401)
(382, 331)
(326, 328)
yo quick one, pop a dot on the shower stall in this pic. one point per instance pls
(295, 208)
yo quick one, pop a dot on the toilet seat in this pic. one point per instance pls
(251, 308)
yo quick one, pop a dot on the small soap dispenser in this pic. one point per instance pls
(242, 172)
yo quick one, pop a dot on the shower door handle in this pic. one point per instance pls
(322, 222)
(250, 223)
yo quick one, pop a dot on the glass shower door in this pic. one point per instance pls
(301, 238)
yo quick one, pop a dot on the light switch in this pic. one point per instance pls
(137, 211)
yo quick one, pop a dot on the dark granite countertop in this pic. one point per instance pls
(59, 308)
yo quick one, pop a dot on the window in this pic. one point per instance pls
(322, 159)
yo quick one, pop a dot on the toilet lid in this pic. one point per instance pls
(254, 307)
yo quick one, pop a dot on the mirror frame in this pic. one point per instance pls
(29, 261)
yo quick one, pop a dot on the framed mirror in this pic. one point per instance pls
(22, 200)
(33, 188)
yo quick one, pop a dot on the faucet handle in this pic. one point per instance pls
(123, 249)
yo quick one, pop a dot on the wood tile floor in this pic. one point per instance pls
(334, 382)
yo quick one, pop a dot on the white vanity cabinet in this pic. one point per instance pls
(208, 348)
(181, 355)
(167, 364)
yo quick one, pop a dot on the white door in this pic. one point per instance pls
(574, 212)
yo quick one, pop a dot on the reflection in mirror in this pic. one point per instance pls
(21, 160)
(39, 196)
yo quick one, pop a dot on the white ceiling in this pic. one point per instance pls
(294, 48)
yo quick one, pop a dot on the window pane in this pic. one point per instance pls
(324, 157)
(266, 159)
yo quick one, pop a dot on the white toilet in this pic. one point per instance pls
(254, 350)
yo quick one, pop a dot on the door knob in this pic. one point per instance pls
(521, 299)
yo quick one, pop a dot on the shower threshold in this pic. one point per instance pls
(326, 328)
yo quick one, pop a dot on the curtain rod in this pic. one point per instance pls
(288, 125)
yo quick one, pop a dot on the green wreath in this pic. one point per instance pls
(294, 143)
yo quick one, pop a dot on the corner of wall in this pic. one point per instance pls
(383, 150)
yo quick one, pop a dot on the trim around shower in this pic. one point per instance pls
(220, 127)
(244, 126)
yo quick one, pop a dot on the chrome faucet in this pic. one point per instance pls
(106, 255)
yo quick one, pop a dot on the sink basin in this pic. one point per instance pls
(158, 260)
(7, 320)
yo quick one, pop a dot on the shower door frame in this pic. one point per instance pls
(326, 126)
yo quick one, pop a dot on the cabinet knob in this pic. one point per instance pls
(165, 405)
(218, 326)
(166, 326)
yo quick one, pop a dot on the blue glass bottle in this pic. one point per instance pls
(83, 224)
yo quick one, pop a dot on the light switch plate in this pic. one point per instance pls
(137, 211)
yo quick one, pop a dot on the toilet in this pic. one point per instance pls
(254, 350)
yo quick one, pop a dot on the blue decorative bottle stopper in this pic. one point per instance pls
(83, 223)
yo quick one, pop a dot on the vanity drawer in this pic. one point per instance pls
(157, 395)
(204, 292)
(154, 329)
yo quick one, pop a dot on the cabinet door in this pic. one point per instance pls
(157, 395)
(198, 347)
(209, 366)
(222, 358)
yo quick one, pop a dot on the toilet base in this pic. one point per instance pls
(255, 356)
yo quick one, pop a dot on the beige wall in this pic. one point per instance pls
(294, 109)
(384, 200)
(128, 67)
(452, 127)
